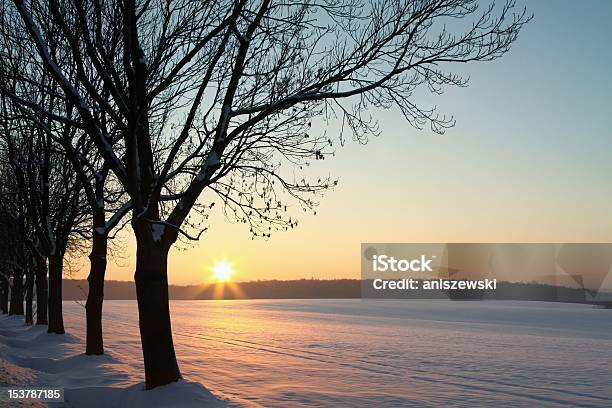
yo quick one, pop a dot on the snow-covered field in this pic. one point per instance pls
(288, 353)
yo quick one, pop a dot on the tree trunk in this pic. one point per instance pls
(41, 292)
(16, 306)
(56, 319)
(151, 279)
(95, 296)
(29, 318)
(3, 295)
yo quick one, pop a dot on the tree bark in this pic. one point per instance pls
(151, 279)
(3, 295)
(95, 296)
(29, 297)
(16, 305)
(56, 319)
(41, 292)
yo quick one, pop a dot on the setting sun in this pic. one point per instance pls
(222, 271)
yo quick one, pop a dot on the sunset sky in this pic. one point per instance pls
(528, 161)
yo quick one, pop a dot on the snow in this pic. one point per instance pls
(42, 48)
(50, 236)
(211, 161)
(67, 85)
(279, 353)
(158, 231)
(32, 357)
(118, 215)
(15, 376)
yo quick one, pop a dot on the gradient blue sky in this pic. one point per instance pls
(528, 161)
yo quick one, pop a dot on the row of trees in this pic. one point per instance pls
(142, 113)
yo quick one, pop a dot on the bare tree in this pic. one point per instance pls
(4, 293)
(221, 96)
(12, 257)
(102, 195)
(4, 288)
(15, 253)
(47, 194)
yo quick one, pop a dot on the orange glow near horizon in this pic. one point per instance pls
(227, 290)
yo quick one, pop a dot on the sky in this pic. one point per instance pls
(528, 161)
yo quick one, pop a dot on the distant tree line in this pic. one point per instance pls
(141, 114)
(342, 289)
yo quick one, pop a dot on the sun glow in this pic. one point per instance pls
(222, 271)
